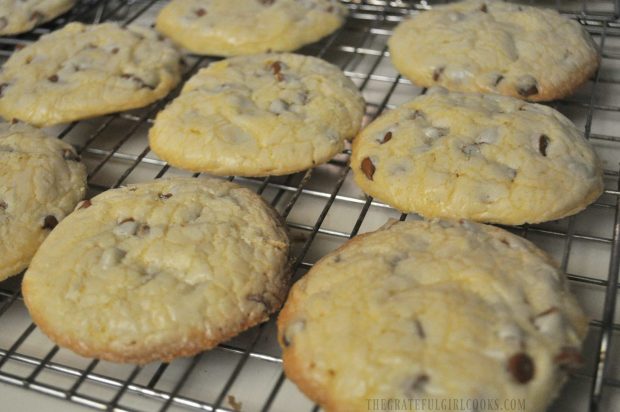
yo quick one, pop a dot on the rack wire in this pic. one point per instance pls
(323, 208)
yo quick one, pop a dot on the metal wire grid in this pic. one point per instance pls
(115, 150)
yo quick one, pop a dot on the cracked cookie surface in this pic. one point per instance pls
(433, 310)
(158, 270)
(41, 181)
(483, 157)
(19, 16)
(267, 114)
(235, 27)
(495, 47)
(83, 71)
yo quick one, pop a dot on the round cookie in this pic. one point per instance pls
(41, 181)
(495, 47)
(266, 114)
(82, 71)
(19, 16)
(483, 157)
(159, 270)
(431, 311)
(231, 28)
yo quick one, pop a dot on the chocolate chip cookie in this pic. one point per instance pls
(266, 114)
(230, 28)
(158, 270)
(41, 181)
(432, 311)
(495, 47)
(483, 157)
(83, 71)
(19, 16)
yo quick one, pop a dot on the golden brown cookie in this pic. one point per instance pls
(483, 157)
(41, 181)
(158, 270)
(495, 47)
(431, 311)
(83, 71)
(265, 114)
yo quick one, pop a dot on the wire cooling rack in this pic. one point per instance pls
(323, 208)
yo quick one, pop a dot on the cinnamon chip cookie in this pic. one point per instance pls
(41, 181)
(158, 270)
(83, 71)
(432, 311)
(495, 47)
(487, 158)
(266, 114)
(230, 28)
(19, 16)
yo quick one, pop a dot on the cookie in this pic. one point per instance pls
(495, 47)
(19, 16)
(41, 181)
(267, 114)
(483, 157)
(231, 28)
(431, 311)
(158, 270)
(83, 71)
